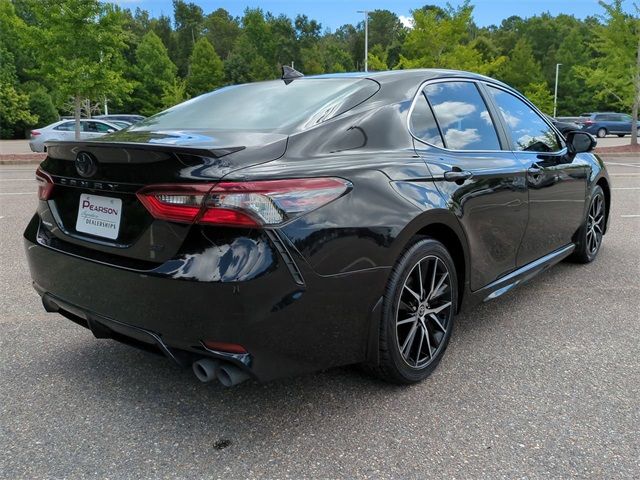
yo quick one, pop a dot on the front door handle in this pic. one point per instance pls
(457, 176)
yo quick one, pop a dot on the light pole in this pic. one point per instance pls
(555, 92)
(366, 39)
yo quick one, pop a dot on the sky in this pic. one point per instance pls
(335, 13)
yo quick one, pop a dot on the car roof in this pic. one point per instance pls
(419, 74)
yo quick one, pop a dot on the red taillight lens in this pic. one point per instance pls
(242, 204)
(35, 133)
(588, 122)
(176, 203)
(45, 185)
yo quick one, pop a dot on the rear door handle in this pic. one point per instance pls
(457, 176)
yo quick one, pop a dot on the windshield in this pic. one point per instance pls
(265, 106)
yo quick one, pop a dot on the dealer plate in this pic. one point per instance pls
(99, 216)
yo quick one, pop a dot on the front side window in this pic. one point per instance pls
(529, 132)
(462, 115)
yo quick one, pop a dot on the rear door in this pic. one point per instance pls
(556, 180)
(484, 185)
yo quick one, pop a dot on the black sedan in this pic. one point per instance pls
(286, 226)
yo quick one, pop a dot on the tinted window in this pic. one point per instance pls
(423, 124)
(66, 126)
(462, 116)
(528, 130)
(265, 106)
(103, 127)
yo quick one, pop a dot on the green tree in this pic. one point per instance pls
(84, 42)
(245, 64)
(222, 30)
(154, 73)
(521, 68)
(174, 93)
(206, 71)
(615, 70)
(440, 38)
(540, 95)
(41, 105)
(189, 27)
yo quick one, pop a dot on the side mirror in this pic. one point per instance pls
(111, 130)
(580, 142)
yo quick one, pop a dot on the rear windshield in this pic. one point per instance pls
(265, 106)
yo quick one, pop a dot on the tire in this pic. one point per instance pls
(592, 230)
(406, 360)
(601, 133)
(621, 135)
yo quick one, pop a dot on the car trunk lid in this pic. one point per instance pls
(93, 204)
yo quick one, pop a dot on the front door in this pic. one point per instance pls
(556, 180)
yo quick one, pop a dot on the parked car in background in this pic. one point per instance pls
(602, 124)
(564, 124)
(121, 123)
(126, 117)
(285, 226)
(65, 130)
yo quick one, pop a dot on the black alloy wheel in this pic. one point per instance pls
(419, 307)
(593, 228)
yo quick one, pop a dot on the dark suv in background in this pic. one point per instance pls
(605, 123)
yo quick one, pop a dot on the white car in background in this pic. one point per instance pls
(65, 130)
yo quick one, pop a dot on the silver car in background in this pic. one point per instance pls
(65, 130)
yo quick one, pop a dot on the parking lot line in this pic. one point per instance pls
(625, 188)
(633, 165)
(19, 193)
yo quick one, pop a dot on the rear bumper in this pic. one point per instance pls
(286, 327)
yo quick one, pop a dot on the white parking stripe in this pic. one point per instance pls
(16, 179)
(630, 216)
(19, 193)
(623, 164)
(626, 188)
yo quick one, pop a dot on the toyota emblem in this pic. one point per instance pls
(86, 165)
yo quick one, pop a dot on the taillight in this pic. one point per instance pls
(241, 204)
(35, 133)
(588, 122)
(45, 185)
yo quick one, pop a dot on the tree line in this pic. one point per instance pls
(72, 56)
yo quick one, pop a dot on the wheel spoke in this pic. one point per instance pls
(426, 335)
(433, 292)
(419, 348)
(414, 294)
(441, 307)
(437, 320)
(420, 281)
(433, 276)
(406, 347)
(406, 320)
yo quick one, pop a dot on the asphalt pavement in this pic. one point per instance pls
(541, 383)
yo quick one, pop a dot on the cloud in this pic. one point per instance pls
(406, 21)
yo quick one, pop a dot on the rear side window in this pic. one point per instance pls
(423, 123)
(529, 132)
(462, 116)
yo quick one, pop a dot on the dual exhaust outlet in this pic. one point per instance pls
(207, 370)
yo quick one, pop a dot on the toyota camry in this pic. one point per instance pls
(286, 226)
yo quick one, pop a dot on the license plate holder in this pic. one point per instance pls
(99, 216)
